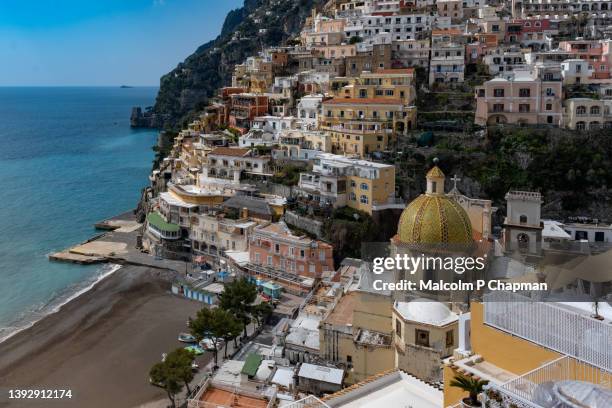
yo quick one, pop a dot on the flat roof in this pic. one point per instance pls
(321, 373)
(388, 390)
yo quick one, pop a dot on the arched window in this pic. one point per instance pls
(523, 219)
(594, 125)
(580, 110)
(595, 110)
(580, 125)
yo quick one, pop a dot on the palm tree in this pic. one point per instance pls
(472, 386)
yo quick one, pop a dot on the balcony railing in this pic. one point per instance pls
(545, 386)
(552, 326)
(309, 402)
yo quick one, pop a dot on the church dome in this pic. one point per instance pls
(434, 218)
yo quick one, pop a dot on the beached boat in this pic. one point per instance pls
(186, 338)
(195, 349)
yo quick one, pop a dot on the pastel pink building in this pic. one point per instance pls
(595, 52)
(275, 247)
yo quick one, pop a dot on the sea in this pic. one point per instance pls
(68, 158)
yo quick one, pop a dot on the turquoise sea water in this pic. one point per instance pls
(68, 158)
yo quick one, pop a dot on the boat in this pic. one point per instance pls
(207, 344)
(195, 349)
(186, 338)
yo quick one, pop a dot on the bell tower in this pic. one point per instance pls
(523, 226)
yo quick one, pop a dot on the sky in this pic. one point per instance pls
(102, 42)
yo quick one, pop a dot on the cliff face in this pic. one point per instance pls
(258, 24)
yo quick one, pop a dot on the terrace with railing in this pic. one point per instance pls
(551, 325)
(564, 382)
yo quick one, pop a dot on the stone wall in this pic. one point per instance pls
(309, 225)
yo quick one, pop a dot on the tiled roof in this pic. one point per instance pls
(230, 151)
(451, 31)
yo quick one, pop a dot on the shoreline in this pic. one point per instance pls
(100, 344)
(56, 308)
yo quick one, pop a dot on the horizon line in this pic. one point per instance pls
(79, 86)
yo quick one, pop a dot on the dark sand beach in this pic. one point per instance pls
(101, 345)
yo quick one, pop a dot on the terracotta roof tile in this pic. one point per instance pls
(230, 151)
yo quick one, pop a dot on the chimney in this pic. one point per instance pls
(244, 213)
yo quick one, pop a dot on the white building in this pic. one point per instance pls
(308, 111)
(393, 389)
(400, 27)
(575, 71)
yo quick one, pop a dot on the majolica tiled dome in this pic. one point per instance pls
(433, 218)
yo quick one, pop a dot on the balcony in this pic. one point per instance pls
(551, 325)
(561, 383)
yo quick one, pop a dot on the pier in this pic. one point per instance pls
(118, 244)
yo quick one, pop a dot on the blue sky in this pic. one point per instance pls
(102, 42)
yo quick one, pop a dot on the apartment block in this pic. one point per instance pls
(340, 181)
(522, 97)
(275, 247)
(360, 126)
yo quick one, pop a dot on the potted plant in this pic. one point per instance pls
(472, 386)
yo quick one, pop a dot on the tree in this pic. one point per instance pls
(162, 375)
(261, 312)
(471, 385)
(238, 297)
(180, 362)
(215, 324)
(234, 329)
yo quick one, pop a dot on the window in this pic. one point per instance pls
(581, 110)
(524, 92)
(291, 251)
(498, 93)
(364, 186)
(580, 125)
(449, 339)
(257, 258)
(363, 93)
(322, 255)
(353, 184)
(549, 106)
(352, 197)
(498, 107)
(363, 199)
(523, 107)
(269, 260)
(277, 248)
(595, 110)
(523, 219)
(421, 337)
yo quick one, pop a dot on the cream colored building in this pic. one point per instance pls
(425, 332)
(587, 114)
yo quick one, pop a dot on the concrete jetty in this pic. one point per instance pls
(117, 245)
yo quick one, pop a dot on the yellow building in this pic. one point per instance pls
(386, 84)
(360, 126)
(357, 335)
(532, 351)
(340, 181)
